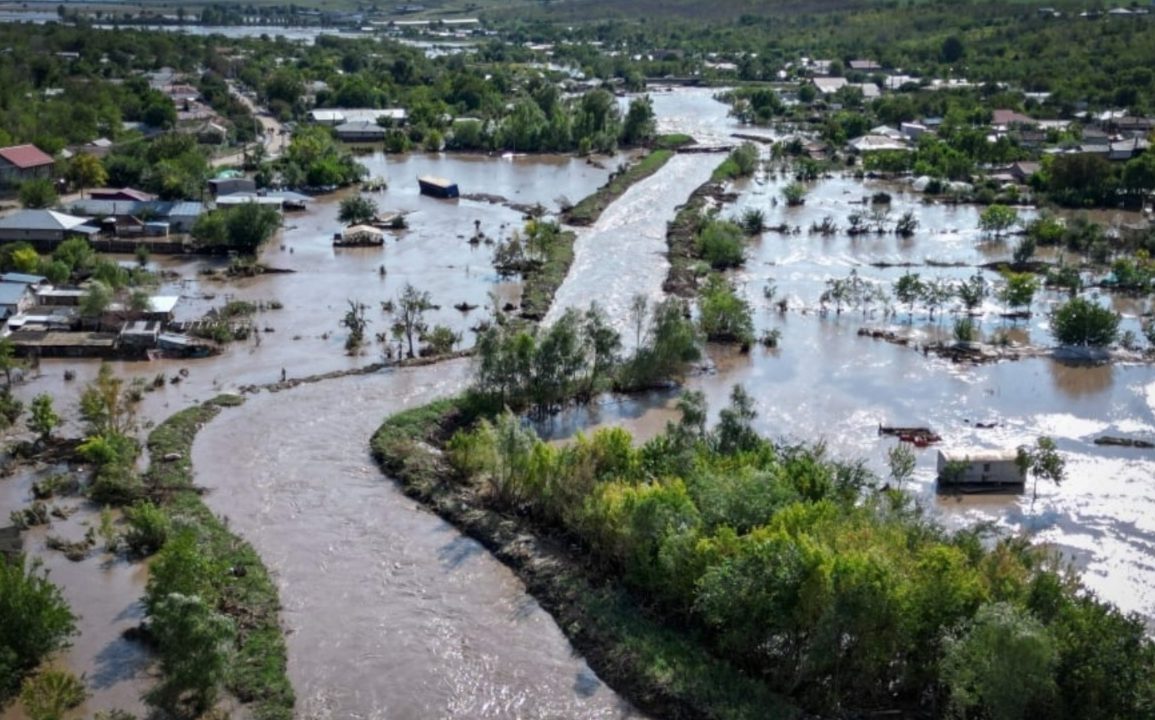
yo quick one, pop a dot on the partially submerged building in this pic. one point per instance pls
(979, 470)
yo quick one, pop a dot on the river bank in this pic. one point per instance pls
(664, 671)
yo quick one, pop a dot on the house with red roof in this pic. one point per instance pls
(20, 163)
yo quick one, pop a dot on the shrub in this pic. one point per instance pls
(753, 221)
(148, 529)
(115, 484)
(745, 159)
(36, 621)
(965, 330)
(724, 315)
(439, 341)
(794, 194)
(1082, 322)
(48, 695)
(720, 244)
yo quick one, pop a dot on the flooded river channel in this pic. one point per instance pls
(392, 613)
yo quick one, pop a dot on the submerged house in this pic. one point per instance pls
(979, 469)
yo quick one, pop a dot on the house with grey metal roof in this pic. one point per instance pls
(44, 228)
(15, 298)
(179, 215)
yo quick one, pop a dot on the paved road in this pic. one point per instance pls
(274, 136)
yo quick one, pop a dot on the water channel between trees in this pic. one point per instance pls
(391, 612)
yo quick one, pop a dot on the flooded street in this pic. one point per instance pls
(391, 612)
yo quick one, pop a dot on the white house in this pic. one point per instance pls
(979, 468)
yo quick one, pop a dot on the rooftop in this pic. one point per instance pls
(41, 220)
(26, 156)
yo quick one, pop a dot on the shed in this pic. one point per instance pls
(979, 469)
(229, 185)
(360, 132)
(140, 333)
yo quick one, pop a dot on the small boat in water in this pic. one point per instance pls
(437, 187)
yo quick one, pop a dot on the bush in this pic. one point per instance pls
(753, 221)
(745, 159)
(724, 316)
(965, 330)
(439, 341)
(36, 621)
(794, 194)
(38, 193)
(1083, 323)
(115, 484)
(48, 695)
(720, 244)
(148, 529)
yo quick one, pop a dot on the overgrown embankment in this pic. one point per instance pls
(682, 237)
(592, 206)
(540, 284)
(662, 670)
(256, 667)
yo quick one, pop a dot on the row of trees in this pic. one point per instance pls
(579, 356)
(1016, 291)
(794, 569)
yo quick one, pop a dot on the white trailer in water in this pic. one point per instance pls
(979, 470)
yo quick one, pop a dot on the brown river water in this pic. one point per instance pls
(394, 614)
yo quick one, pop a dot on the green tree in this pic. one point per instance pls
(356, 322)
(193, 642)
(901, 461)
(1084, 323)
(1041, 462)
(357, 210)
(37, 621)
(211, 229)
(1001, 664)
(86, 171)
(76, 253)
(37, 193)
(639, 126)
(973, 291)
(720, 243)
(908, 289)
(1018, 290)
(8, 360)
(997, 219)
(723, 315)
(95, 300)
(42, 418)
(409, 320)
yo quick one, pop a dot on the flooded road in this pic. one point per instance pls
(391, 612)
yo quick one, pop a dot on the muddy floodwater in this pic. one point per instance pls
(392, 613)
(103, 590)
